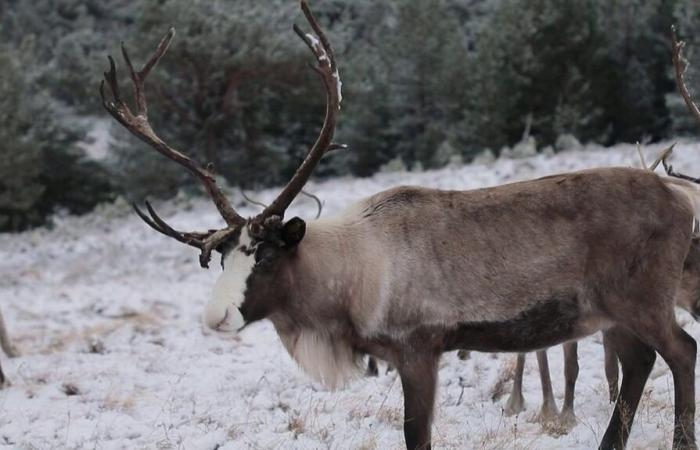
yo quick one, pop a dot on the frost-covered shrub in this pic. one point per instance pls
(567, 142)
(395, 165)
(525, 148)
(486, 156)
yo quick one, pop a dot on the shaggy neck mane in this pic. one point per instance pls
(319, 289)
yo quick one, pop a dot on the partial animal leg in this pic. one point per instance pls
(679, 350)
(548, 412)
(611, 368)
(516, 402)
(419, 379)
(567, 417)
(5, 342)
(372, 370)
(637, 360)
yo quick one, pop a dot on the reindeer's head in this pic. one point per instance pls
(253, 250)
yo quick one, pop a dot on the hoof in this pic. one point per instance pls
(548, 414)
(567, 419)
(514, 405)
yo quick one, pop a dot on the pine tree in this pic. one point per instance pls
(42, 168)
(536, 58)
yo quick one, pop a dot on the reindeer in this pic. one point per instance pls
(688, 296)
(410, 273)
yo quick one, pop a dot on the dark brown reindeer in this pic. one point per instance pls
(410, 273)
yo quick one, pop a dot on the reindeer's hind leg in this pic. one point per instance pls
(548, 412)
(567, 417)
(637, 359)
(611, 368)
(679, 350)
(516, 402)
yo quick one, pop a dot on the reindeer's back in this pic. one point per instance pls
(488, 254)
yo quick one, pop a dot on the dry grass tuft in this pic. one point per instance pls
(296, 424)
(392, 416)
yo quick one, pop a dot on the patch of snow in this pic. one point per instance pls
(104, 308)
(339, 86)
(98, 139)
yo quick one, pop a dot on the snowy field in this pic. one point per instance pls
(106, 313)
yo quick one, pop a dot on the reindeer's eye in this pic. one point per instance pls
(263, 255)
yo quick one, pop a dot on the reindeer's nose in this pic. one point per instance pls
(223, 317)
(232, 320)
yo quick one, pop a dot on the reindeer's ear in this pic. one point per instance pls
(293, 231)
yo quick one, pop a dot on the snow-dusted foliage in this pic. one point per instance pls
(107, 314)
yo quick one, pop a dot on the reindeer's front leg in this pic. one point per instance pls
(418, 373)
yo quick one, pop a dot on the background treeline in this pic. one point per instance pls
(424, 82)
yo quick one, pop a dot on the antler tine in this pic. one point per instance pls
(327, 69)
(205, 241)
(139, 126)
(195, 239)
(681, 64)
(319, 203)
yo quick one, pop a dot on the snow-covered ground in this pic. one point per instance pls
(107, 313)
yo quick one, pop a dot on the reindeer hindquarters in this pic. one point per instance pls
(637, 359)
(419, 380)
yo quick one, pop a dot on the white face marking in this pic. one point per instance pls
(222, 313)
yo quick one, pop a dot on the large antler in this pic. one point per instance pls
(139, 126)
(680, 64)
(328, 72)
